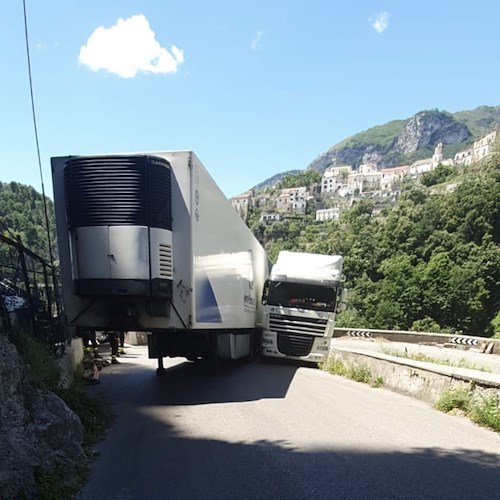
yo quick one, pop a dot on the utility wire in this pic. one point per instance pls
(36, 134)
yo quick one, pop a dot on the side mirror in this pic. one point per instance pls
(342, 302)
(265, 292)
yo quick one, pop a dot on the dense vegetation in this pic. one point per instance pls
(383, 135)
(22, 215)
(22, 212)
(430, 263)
(480, 121)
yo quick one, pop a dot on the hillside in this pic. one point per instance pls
(275, 179)
(430, 262)
(403, 141)
(22, 214)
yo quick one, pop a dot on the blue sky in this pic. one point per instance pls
(254, 88)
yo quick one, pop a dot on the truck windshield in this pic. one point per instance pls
(303, 296)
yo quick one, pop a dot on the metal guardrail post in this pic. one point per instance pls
(26, 280)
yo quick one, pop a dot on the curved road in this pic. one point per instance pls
(278, 431)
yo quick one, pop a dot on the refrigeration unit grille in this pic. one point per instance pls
(294, 345)
(118, 191)
(165, 258)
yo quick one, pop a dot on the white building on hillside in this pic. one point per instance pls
(391, 178)
(242, 203)
(335, 178)
(419, 167)
(270, 217)
(292, 200)
(370, 177)
(328, 214)
(479, 150)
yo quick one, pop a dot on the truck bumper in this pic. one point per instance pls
(302, 348)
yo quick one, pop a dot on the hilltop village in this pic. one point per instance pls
(342, 185)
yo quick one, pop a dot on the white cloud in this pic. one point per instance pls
(127, 48)
(257, 41)
(381, 22)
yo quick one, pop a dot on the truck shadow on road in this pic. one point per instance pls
(185, 384)
(236, 382)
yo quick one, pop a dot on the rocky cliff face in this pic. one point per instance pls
(421, 133)
(403, 141)
(349, 155)
(427, 129)
(38, 432)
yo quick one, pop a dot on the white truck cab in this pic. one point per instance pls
(301, 297)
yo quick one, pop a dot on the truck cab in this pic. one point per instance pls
(301, 298)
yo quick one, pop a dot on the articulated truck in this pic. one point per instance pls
(148, 242)
(301, 297)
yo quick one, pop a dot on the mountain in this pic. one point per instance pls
(275, 179)
(403, 141)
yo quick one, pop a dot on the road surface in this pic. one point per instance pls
(278, 431)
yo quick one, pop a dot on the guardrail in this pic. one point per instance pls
(488, 345)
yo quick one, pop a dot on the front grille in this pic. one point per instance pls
(165, 257)
(295, 345)
(297, 325)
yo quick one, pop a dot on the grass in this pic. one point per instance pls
(454, 399)
(420, 356)
(92, 413)
(482, 409)
(44, 373)
(357, 372)
(42, 368)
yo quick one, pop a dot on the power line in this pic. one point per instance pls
(36, 134)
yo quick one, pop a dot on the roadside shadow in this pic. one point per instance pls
(185, 384)
(159, 457)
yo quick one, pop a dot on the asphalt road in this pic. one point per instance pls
(278, 431)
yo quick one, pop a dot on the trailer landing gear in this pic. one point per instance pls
(161, 369)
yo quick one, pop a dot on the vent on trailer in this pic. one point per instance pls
(119, 217)
(165, 261)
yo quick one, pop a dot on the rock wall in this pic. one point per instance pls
(429, 128)
(38, 432)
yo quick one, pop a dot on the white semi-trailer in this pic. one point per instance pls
(148, 242)
(301, 297)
